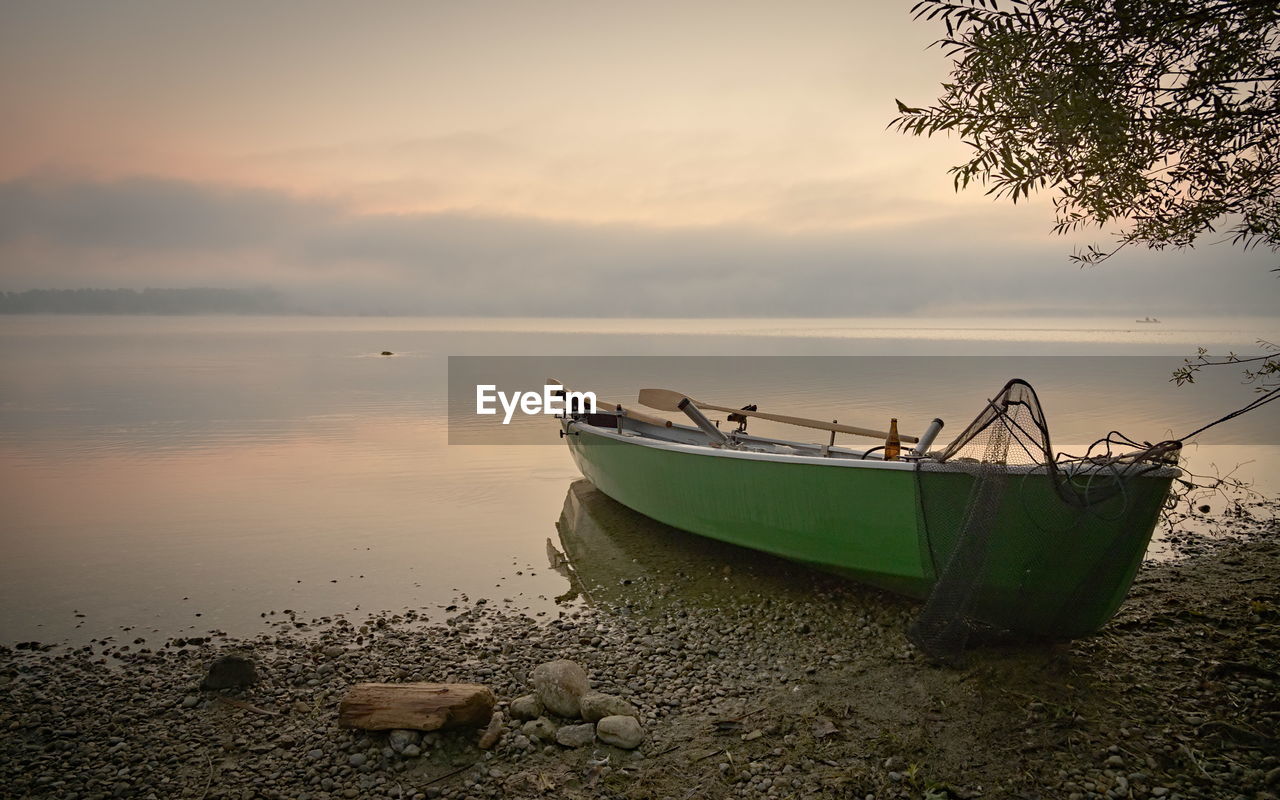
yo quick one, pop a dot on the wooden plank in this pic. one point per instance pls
(415, 706)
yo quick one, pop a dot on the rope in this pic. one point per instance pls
(1267, 397)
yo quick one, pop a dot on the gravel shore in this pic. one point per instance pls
(752, 678)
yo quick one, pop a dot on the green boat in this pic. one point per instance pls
(991, 530)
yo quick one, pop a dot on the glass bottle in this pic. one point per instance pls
(893, 445)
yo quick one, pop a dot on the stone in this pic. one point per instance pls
(334, 651)
(595, 706)
(400, 738)
(493, 733)
(619, 731)
(230, 672)
(526, 707)
(559, 685)
(541, 729)
(411, 751)
(357, 759)
(576, 735)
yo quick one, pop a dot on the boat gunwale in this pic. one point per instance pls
(639, 438)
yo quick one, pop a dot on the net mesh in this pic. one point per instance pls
(1011, 432)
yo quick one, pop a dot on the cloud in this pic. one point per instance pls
(61, 232)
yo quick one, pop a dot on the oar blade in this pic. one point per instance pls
(661, 399)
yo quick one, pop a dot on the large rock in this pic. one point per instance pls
(559, 684)
(230, 672)
(526, 706)
(619, 731)
(576, 735)
(595, 706)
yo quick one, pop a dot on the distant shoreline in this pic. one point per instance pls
(263, 301)
(165, 302)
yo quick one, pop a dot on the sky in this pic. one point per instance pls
(529, 158)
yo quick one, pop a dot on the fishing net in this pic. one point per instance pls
(987, 467)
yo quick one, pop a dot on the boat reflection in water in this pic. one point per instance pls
(614, 556)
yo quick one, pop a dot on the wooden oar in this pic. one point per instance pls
(630, 413)
(668, 400)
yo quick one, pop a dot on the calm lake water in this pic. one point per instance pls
(177, 475)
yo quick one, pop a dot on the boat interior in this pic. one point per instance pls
(622, 424)
(615, 420)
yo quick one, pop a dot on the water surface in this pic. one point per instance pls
(178, 475)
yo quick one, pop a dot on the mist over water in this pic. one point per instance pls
(186, 474)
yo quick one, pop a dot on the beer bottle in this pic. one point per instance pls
(893, 445)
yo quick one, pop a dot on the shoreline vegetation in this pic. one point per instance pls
(752, 679)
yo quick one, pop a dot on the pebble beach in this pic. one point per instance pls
(748, 681)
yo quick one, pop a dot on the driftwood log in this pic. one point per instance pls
(415, 706)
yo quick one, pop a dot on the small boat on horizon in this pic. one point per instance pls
(1147, 319)
(993, 529)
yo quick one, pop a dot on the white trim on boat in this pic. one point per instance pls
(630, 437)
(633, 437)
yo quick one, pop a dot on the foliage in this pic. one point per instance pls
(1265, 376)
(1160, 116)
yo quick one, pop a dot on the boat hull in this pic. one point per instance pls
(1046, 569)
